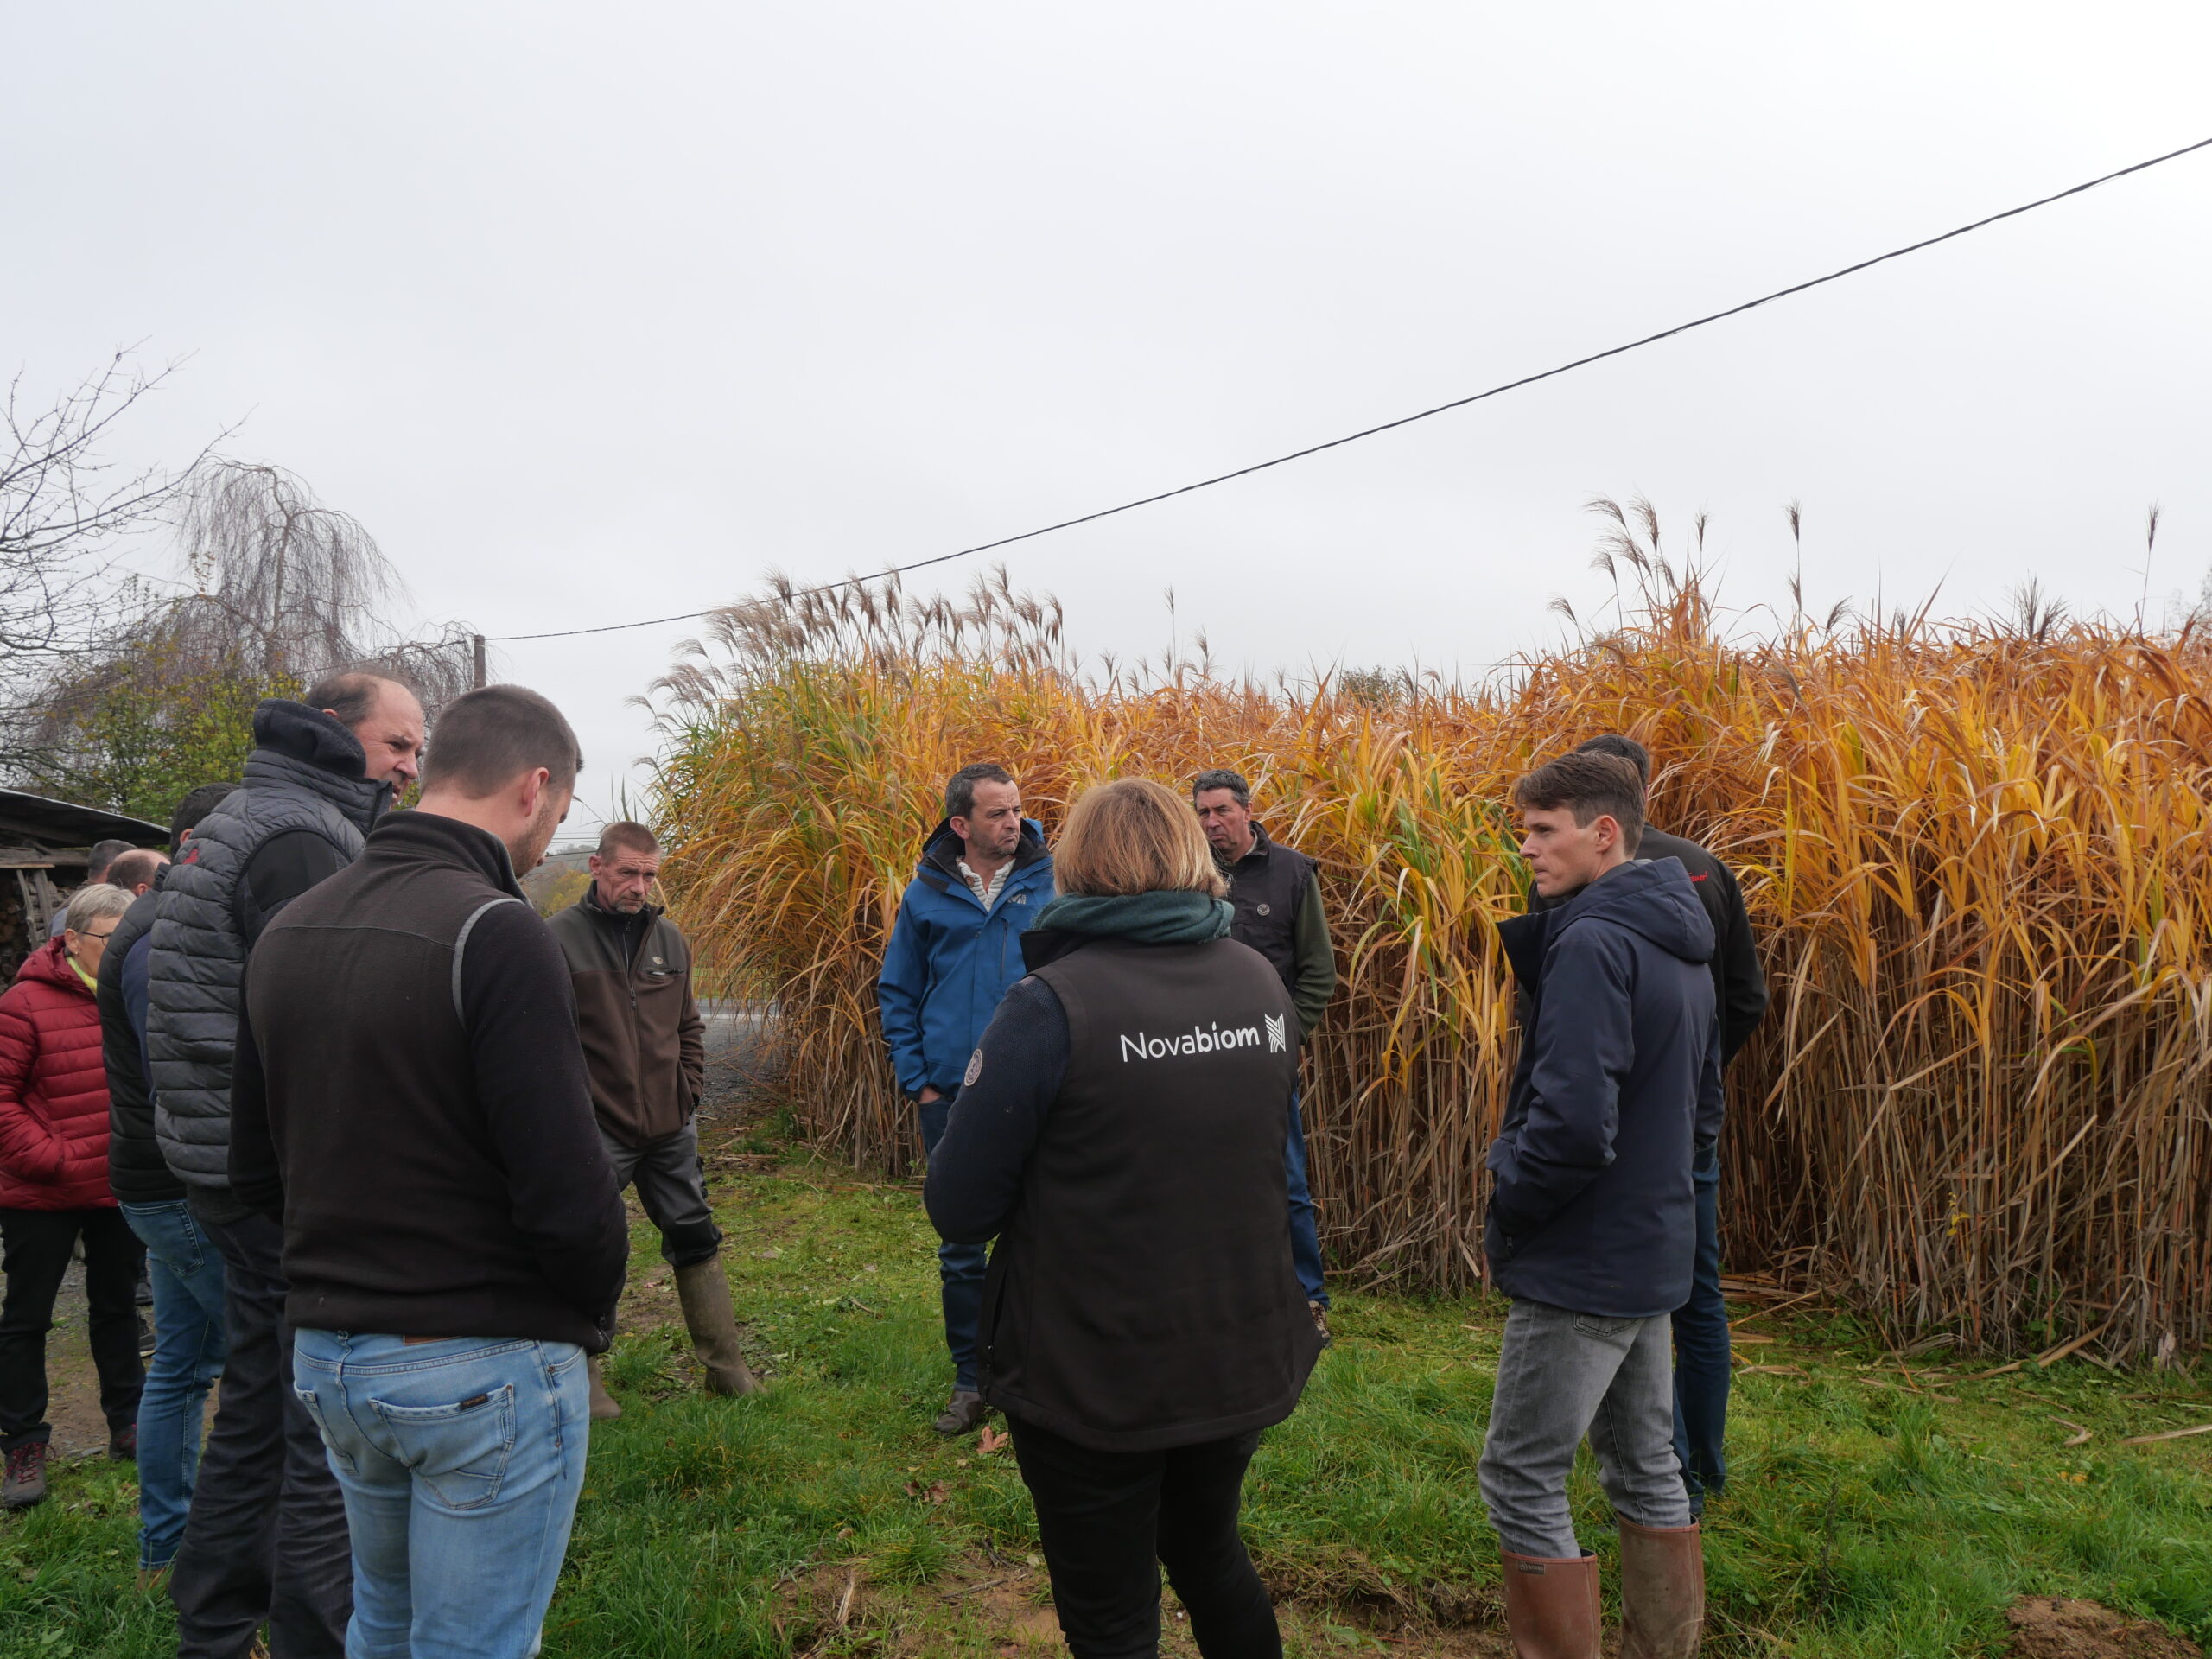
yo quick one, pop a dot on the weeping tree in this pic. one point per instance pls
(283, 589)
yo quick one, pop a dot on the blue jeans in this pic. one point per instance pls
(461, 1460)
(959, 1268)
(1702, 1354)
(186, 1271)
(1304, 1240)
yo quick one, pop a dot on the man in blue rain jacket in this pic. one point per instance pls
(954, 950)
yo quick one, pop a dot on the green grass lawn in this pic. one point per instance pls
(1871, 1513)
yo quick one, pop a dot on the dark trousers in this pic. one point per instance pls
(36, 1245)
(1702, 1355)
(1109, 1520)
(1305, 1237)
(671, 1186)
(959, 1268)
(265, 1537)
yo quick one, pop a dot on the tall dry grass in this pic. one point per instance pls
(1976, 856)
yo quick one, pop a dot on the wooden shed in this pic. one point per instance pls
(44, 848)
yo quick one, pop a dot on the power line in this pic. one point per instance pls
(1407, 420)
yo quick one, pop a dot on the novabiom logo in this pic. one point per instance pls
(1199, 1040)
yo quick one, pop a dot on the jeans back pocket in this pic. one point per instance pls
(1595, 1325)
(460, 1450)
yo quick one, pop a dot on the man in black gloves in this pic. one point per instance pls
(410, 1097)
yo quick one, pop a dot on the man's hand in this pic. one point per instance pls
(929, 1096)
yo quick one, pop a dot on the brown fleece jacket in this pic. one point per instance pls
(644, 1044)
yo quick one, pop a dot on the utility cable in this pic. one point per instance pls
(1407, 420)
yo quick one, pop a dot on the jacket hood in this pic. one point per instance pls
(1652, 898)
(943, 850)
(49, 965)
(308, 735)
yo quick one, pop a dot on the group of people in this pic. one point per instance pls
(1102, 1042)
(366, 1118)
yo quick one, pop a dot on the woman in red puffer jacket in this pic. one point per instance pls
(53, 1190)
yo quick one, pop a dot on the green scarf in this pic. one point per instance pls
(1147, 918)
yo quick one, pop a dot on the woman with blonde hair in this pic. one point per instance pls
(1120, 1134)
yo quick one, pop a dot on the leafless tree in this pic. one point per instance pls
(62, 505)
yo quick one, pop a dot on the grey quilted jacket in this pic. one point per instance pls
(305, 773)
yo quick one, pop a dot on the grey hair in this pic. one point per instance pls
(1222, 778)
(91, 902)
(103, 854)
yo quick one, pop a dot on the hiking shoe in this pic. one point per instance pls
(25, 1484)
(1320, 1312)
(123, 1443)
(963, 1412)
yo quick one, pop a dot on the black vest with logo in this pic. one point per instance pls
(1265, 886)
(1143, 1296)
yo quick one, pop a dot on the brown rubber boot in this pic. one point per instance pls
(713, 1325)
(1551, 1606)
(1663, 1591)
(602, 1403)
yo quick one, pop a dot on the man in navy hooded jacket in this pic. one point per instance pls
(1592, 1220)
(954, 950)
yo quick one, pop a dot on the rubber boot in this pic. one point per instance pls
(713, 1325)
(1663, 1591)
(1551, 1606)
(602, 1403)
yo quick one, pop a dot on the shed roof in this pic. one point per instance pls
(64, 823)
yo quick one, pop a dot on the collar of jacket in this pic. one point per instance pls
(1072, 921)
(1260, 847)
(305, 746)
(943, 851)
(649, 913)
(428, 838)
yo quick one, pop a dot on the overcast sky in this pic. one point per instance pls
(592, 312)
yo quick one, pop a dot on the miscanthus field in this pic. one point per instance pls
(1976, 854)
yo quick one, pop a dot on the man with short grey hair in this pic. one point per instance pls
(451, 1232)
(266, 1538)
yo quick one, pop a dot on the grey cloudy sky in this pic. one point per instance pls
(592, 312)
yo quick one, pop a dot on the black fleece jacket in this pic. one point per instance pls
(409, 1097)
